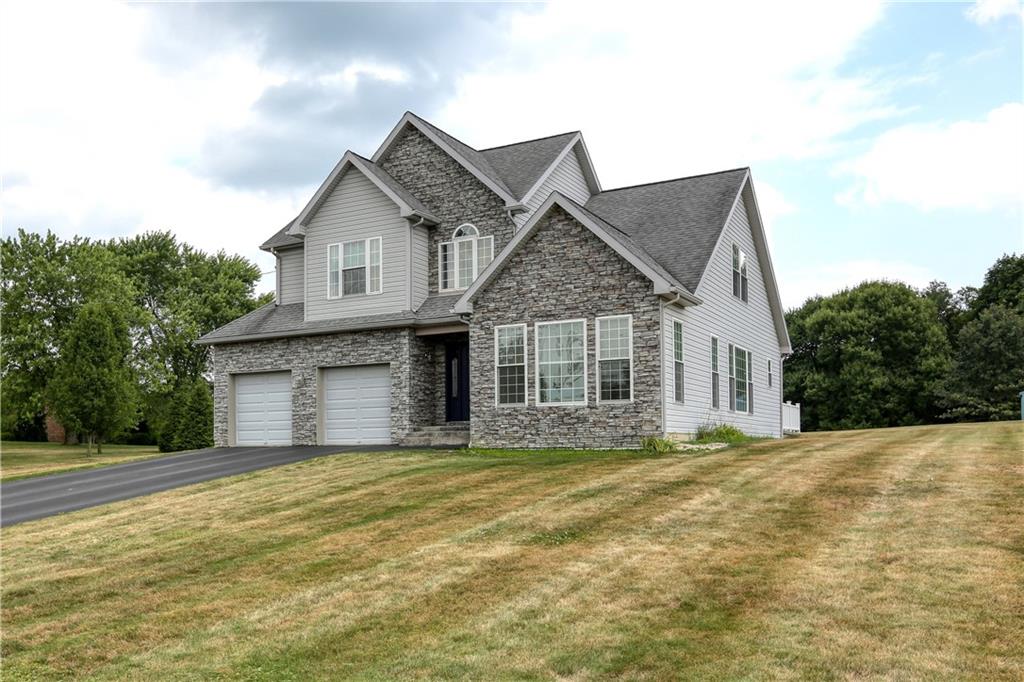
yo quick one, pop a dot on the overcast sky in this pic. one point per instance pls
(886, 140)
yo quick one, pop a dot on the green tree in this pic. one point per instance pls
(1004, 285)
(988, 371)
(189, 423)
(93, 390)
(44, 284)
(870, 356)
(953, 307)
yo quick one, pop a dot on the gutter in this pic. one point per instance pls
(291, 333)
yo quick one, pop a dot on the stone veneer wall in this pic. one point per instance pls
(451, 192)
(412, 375)
(562, 272)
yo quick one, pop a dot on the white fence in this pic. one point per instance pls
(790, 417)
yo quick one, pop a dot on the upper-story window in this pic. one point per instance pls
(739, 273)
(354, 268)
(460, 260)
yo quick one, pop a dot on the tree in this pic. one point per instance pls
(870, 356)
(93, 390)
(189, 424)
(44, 284)
(988, 372)
(953, 307)
(1004, 285)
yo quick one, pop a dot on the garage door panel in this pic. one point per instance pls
(357, 405)
(263, 408)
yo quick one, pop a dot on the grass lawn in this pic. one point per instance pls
(892, 553)
(19, 459)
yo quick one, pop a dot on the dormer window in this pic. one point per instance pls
(460, 260)
(739, 273)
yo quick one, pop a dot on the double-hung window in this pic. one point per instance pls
(460, 260)
(741, 380)
(354, 267)
(615, 358)
(510, 364)
(678, 365)
(770, 377)
(561, 362)
(714, 372)
(739, 273)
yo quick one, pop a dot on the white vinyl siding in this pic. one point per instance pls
(721, 315)
(561, 362)
(511, 362)
(420, 248)
(567, 178)
(356, 209)
(614, 358)
(290, 276)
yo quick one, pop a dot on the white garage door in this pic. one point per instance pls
(263, 408)
(357, 405)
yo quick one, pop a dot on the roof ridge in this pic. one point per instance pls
(685, 177)
(442, 130)
(536, 139)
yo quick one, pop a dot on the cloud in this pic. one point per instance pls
(987, 11)
(773, 206)
(966, 164)
(828, 278)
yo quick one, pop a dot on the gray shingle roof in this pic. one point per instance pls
(522, 163)
(281, 238)
(276, 321)
(478, 160)
(676, 221)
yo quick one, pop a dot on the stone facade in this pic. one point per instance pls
(563, 272)
(412, 375)
(451, 192)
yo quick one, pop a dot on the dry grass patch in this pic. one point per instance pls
(21, 460)
(893, 553)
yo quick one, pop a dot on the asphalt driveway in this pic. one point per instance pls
(35, 498)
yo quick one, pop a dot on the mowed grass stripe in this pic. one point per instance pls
(825, 557)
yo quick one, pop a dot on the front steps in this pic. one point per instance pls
(450, 435)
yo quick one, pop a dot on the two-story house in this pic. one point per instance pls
(501, 296)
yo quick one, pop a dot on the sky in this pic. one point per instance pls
(886, 140)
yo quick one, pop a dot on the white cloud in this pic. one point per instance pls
(670, 89)
(986, 11)
(799, 284)
(969, 164)
(773, 206)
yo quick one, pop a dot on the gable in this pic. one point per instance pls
(567, 177)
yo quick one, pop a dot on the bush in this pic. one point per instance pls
(720, 433)
(657, 445)
(190, 420)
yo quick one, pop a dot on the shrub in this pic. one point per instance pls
(658, 445)
(720, 433)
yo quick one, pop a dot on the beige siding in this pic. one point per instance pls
(747, 325)
(356, 209)
(289, 280)
(567, 178)
(420, 266)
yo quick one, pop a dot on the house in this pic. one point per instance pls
(435, 291)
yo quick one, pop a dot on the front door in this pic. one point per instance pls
(456, 380)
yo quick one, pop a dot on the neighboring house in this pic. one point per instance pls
(437, 291)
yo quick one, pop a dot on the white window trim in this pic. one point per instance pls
(732, 380)
(682, 352)
(536, 363)
(771, 375)
(450, 244)
(341, 267)
(597, 358)
(741, 268)
(716, 344)
(526, 366)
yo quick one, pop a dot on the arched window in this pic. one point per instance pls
(463, 258)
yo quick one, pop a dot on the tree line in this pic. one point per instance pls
(884, 354)
(100, 335)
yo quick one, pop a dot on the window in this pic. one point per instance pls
(510, 364)
(679, 368)
(741, 381)
(615, 358)
(739, 273)
(354, 268)
(714, 372)
(561, 362)
(461, 260)
(769, 374)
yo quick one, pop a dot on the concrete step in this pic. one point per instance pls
(437, 439)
